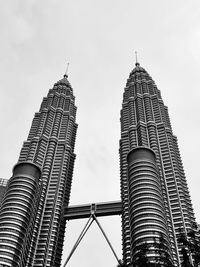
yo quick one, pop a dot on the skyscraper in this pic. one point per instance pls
(152, 175)
(32, 224)
(154, 193)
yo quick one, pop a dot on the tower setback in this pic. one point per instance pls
(145, 124)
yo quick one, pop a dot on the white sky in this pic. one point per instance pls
(99, 38)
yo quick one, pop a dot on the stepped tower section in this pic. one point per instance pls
(50, 148)
(145, 123)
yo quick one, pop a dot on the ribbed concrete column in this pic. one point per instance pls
(146, 208)
(17, 213)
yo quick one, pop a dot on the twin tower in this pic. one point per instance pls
(155, 201)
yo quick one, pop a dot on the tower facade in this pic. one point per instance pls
(152, 181)
(31, 215)
(3, 184)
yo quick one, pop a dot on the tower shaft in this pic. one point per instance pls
(145, 122)
(50, 146)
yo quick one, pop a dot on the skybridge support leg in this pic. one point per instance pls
(85, 229)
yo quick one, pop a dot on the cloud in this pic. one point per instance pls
(17, 29)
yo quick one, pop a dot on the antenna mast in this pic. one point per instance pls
(66, 72)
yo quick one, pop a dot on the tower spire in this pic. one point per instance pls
(136, 59)
(66, 72)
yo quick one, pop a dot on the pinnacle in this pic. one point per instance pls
(64, 81)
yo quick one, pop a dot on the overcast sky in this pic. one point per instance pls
(99, 38)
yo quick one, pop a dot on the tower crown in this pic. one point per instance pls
(64, 81)
(138, 68)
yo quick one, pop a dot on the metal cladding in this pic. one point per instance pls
(50, 146)
(147, 217)
(18, 213)
(145, 122)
